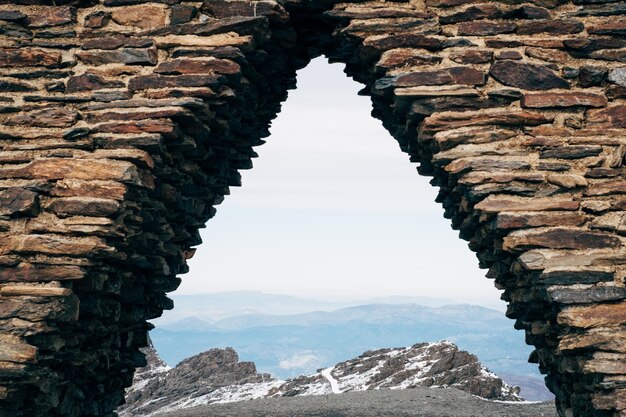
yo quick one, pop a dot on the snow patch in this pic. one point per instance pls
(334, 386)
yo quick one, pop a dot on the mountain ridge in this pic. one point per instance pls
(280, 344)
(217, 376)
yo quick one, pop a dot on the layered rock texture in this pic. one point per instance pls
(212, 376)
(216, 376)
(124, 122)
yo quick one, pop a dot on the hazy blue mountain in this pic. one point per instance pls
(217, 306)
(293, 344)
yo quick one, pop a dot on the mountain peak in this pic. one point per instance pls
(217, 376)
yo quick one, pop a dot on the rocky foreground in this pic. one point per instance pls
(416, 402)
(217, 376)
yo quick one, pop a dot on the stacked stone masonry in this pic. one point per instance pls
(124, 122)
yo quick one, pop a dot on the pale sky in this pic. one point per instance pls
(334, 210)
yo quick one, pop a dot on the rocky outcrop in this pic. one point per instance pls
(212, 376)
(440, 364)
(216, 376)
(123, 123)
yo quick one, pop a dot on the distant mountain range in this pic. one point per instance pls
(216, 306)
(291, 344)
(217, 376)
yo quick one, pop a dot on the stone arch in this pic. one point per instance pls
(122, 123)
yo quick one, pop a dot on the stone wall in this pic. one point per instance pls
(124, 122)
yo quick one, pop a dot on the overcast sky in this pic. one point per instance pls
(334, 210)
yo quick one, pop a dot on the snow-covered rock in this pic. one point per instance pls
(217, 376)
(209, 377)
(425, 364)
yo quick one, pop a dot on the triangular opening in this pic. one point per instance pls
(333, 211)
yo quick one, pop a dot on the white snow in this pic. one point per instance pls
(334, 386)
(229, 394)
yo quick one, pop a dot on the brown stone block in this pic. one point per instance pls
(450, 120)
(182, 14)
(129, 114)
(195, 66)
(599, 315)
(33, 291)
(256, 28)
(116, 42)
(508, 55)
(485, 164)
(90, 82)
(15, 349)
(571, 151)
(526, 76)
(559, 238)
(602, 339)
(607, 363)
(28, 57)
(145, 16)
(489, 134)
(614, 116)
(436, 91)
(162, 126)
(606, 188)
(15, 87)
(549, 55)
(506, 220)
(448, 3)
(46, 16)
(42, 308)
(456, 75)
(567, 180)
(498, 203)
(472, 56)
(129, 56)
(472, 13)
(566, 99)
(139, 157)
(186, 102)
(584, 46)
(146, 82)
(12, 15)
(609, 55)
(616, 91)
(83, 206)
(82, 188)
(148, 141)
(401, 57)
(555, 27)
(483, 28)
(69, 168)
(224, 9)
(408, 40)
(613, 221)
(54, 245)
(614, 400)
(97, 20)
(48, 117)
(40, 273)
(75, 226)
(615, 28)
(590, 295)
(575, 276)
(481, 177)
(364, 28)
(18, 201)
(229, 39)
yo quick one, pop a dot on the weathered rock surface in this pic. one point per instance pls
(216, 376)
(123, 123)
